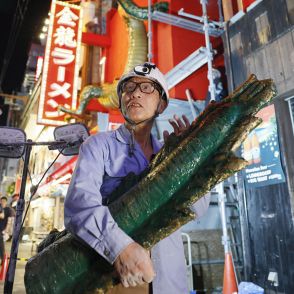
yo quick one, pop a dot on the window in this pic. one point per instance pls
(263, 28)
(236, 43)
(290, 6)
(291, 110)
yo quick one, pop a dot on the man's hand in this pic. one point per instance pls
(134, 266)
(178, 125)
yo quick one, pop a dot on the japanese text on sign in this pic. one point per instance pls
(61, 64)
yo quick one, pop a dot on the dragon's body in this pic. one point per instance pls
(185, 169)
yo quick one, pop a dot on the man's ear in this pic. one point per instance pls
(162, 106)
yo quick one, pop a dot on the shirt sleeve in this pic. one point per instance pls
(84, 213)
(200, 207)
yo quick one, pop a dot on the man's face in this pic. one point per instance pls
(3, 202)
(137, 105)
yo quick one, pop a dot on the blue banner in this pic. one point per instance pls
(261, 149)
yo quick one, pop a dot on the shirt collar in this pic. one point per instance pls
(122, 134)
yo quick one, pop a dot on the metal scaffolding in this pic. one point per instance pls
(201, 56)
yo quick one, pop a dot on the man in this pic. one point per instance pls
(5, 213)
(104, 160)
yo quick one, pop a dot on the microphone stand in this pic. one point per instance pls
(9, 279)
(71, 137)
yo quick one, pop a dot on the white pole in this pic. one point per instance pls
(189, 263)
(208, 50)
(190, 100)
(222, 208)
(225, 237)
(149, 34)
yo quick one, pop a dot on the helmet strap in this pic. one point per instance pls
(132, 141)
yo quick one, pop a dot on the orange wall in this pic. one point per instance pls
(116, 54)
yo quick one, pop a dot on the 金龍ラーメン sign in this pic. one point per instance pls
(61, 63)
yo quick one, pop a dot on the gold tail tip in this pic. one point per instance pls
(235, 164)
(252, 78)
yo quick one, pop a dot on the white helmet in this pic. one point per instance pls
(147, 70)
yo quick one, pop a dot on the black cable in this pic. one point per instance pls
(36, 188)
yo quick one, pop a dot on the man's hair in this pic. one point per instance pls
(4, 197)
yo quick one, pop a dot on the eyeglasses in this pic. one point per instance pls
(145, 87)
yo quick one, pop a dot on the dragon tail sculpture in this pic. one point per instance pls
(185, 169)
(141, 13)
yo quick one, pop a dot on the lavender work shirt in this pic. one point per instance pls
(103, 161)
